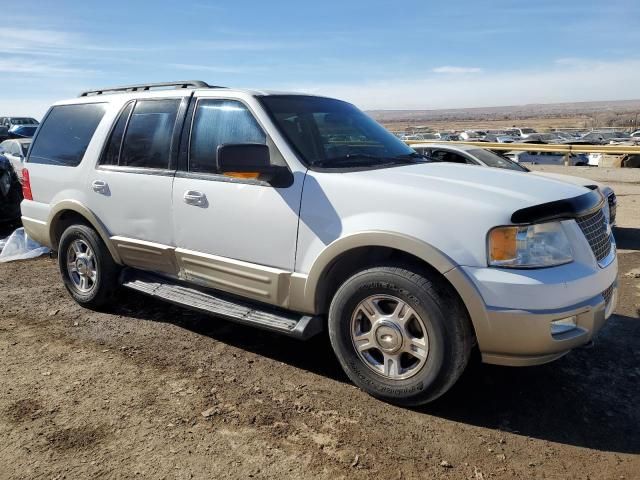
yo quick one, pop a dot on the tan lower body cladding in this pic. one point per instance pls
(265, 284)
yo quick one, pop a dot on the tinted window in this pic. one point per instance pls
(23, 121)
(111, 154)
(448, 157)
(219, 122)
(147, 141)
(66, 133)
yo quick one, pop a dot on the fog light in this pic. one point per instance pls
(563, 325)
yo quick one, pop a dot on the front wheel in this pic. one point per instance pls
(87, 268)
(400, 335)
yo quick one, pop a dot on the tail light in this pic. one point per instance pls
(26, 185)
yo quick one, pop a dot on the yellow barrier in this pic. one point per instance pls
(537, 147)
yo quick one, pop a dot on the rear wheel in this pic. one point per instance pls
(400, 335)
(87, 268)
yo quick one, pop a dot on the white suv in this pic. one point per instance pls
(297, 213)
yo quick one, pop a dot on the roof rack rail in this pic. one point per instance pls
(149, 86)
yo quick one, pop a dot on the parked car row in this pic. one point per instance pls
(528, 135)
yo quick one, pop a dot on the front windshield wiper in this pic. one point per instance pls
(357, 159)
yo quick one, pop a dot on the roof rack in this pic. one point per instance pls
(150, 86)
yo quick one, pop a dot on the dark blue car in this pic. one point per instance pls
(22, 131)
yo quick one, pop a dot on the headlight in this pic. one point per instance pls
(532, 246)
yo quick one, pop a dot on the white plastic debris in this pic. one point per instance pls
(20, 247)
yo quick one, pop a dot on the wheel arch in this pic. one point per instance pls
(349, 254)
(69, 212)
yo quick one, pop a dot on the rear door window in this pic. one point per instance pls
(65, 135)
(220, 122)
(111, 155)
(149, 134)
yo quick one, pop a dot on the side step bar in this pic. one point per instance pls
(262, 316)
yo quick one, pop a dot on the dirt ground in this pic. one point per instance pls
(154, 391)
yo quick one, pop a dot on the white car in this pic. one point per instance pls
(237, 203)
(523, 132)
(475, 155)
(471, 135)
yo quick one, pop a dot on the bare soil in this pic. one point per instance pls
(149, 390)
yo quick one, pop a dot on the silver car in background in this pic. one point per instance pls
(475, 155)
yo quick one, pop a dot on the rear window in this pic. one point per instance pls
(66, 133)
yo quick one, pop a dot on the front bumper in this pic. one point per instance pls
(527, 337)
(519, 331)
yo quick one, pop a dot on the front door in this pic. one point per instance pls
(233, 234)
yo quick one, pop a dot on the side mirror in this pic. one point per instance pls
(251, 161)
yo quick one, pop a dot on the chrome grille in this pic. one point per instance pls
(594, 226)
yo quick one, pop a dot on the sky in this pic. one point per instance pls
(377, 54)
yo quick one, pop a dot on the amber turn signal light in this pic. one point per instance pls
(244, 175)
(503, 244)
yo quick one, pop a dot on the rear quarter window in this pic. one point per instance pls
(65, 134)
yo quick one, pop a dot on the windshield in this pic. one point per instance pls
(330, 133)
(492, 160)
(527, 130)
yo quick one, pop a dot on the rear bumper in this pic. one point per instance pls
(37, 230)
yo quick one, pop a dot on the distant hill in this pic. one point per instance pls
(520, 112)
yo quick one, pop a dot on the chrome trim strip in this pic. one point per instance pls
(606, 261)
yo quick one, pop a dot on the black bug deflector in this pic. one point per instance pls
(558, 209)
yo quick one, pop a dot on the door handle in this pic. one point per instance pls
(100, 187)
(192, 197)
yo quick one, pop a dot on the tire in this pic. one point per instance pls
(430, 310)
(92, 255)
(632, 161)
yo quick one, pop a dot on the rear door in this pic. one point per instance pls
(131, 185)
(240, 236)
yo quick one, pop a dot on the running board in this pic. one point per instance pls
(269, 318)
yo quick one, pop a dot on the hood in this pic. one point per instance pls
(585, 182)
(509, 189)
